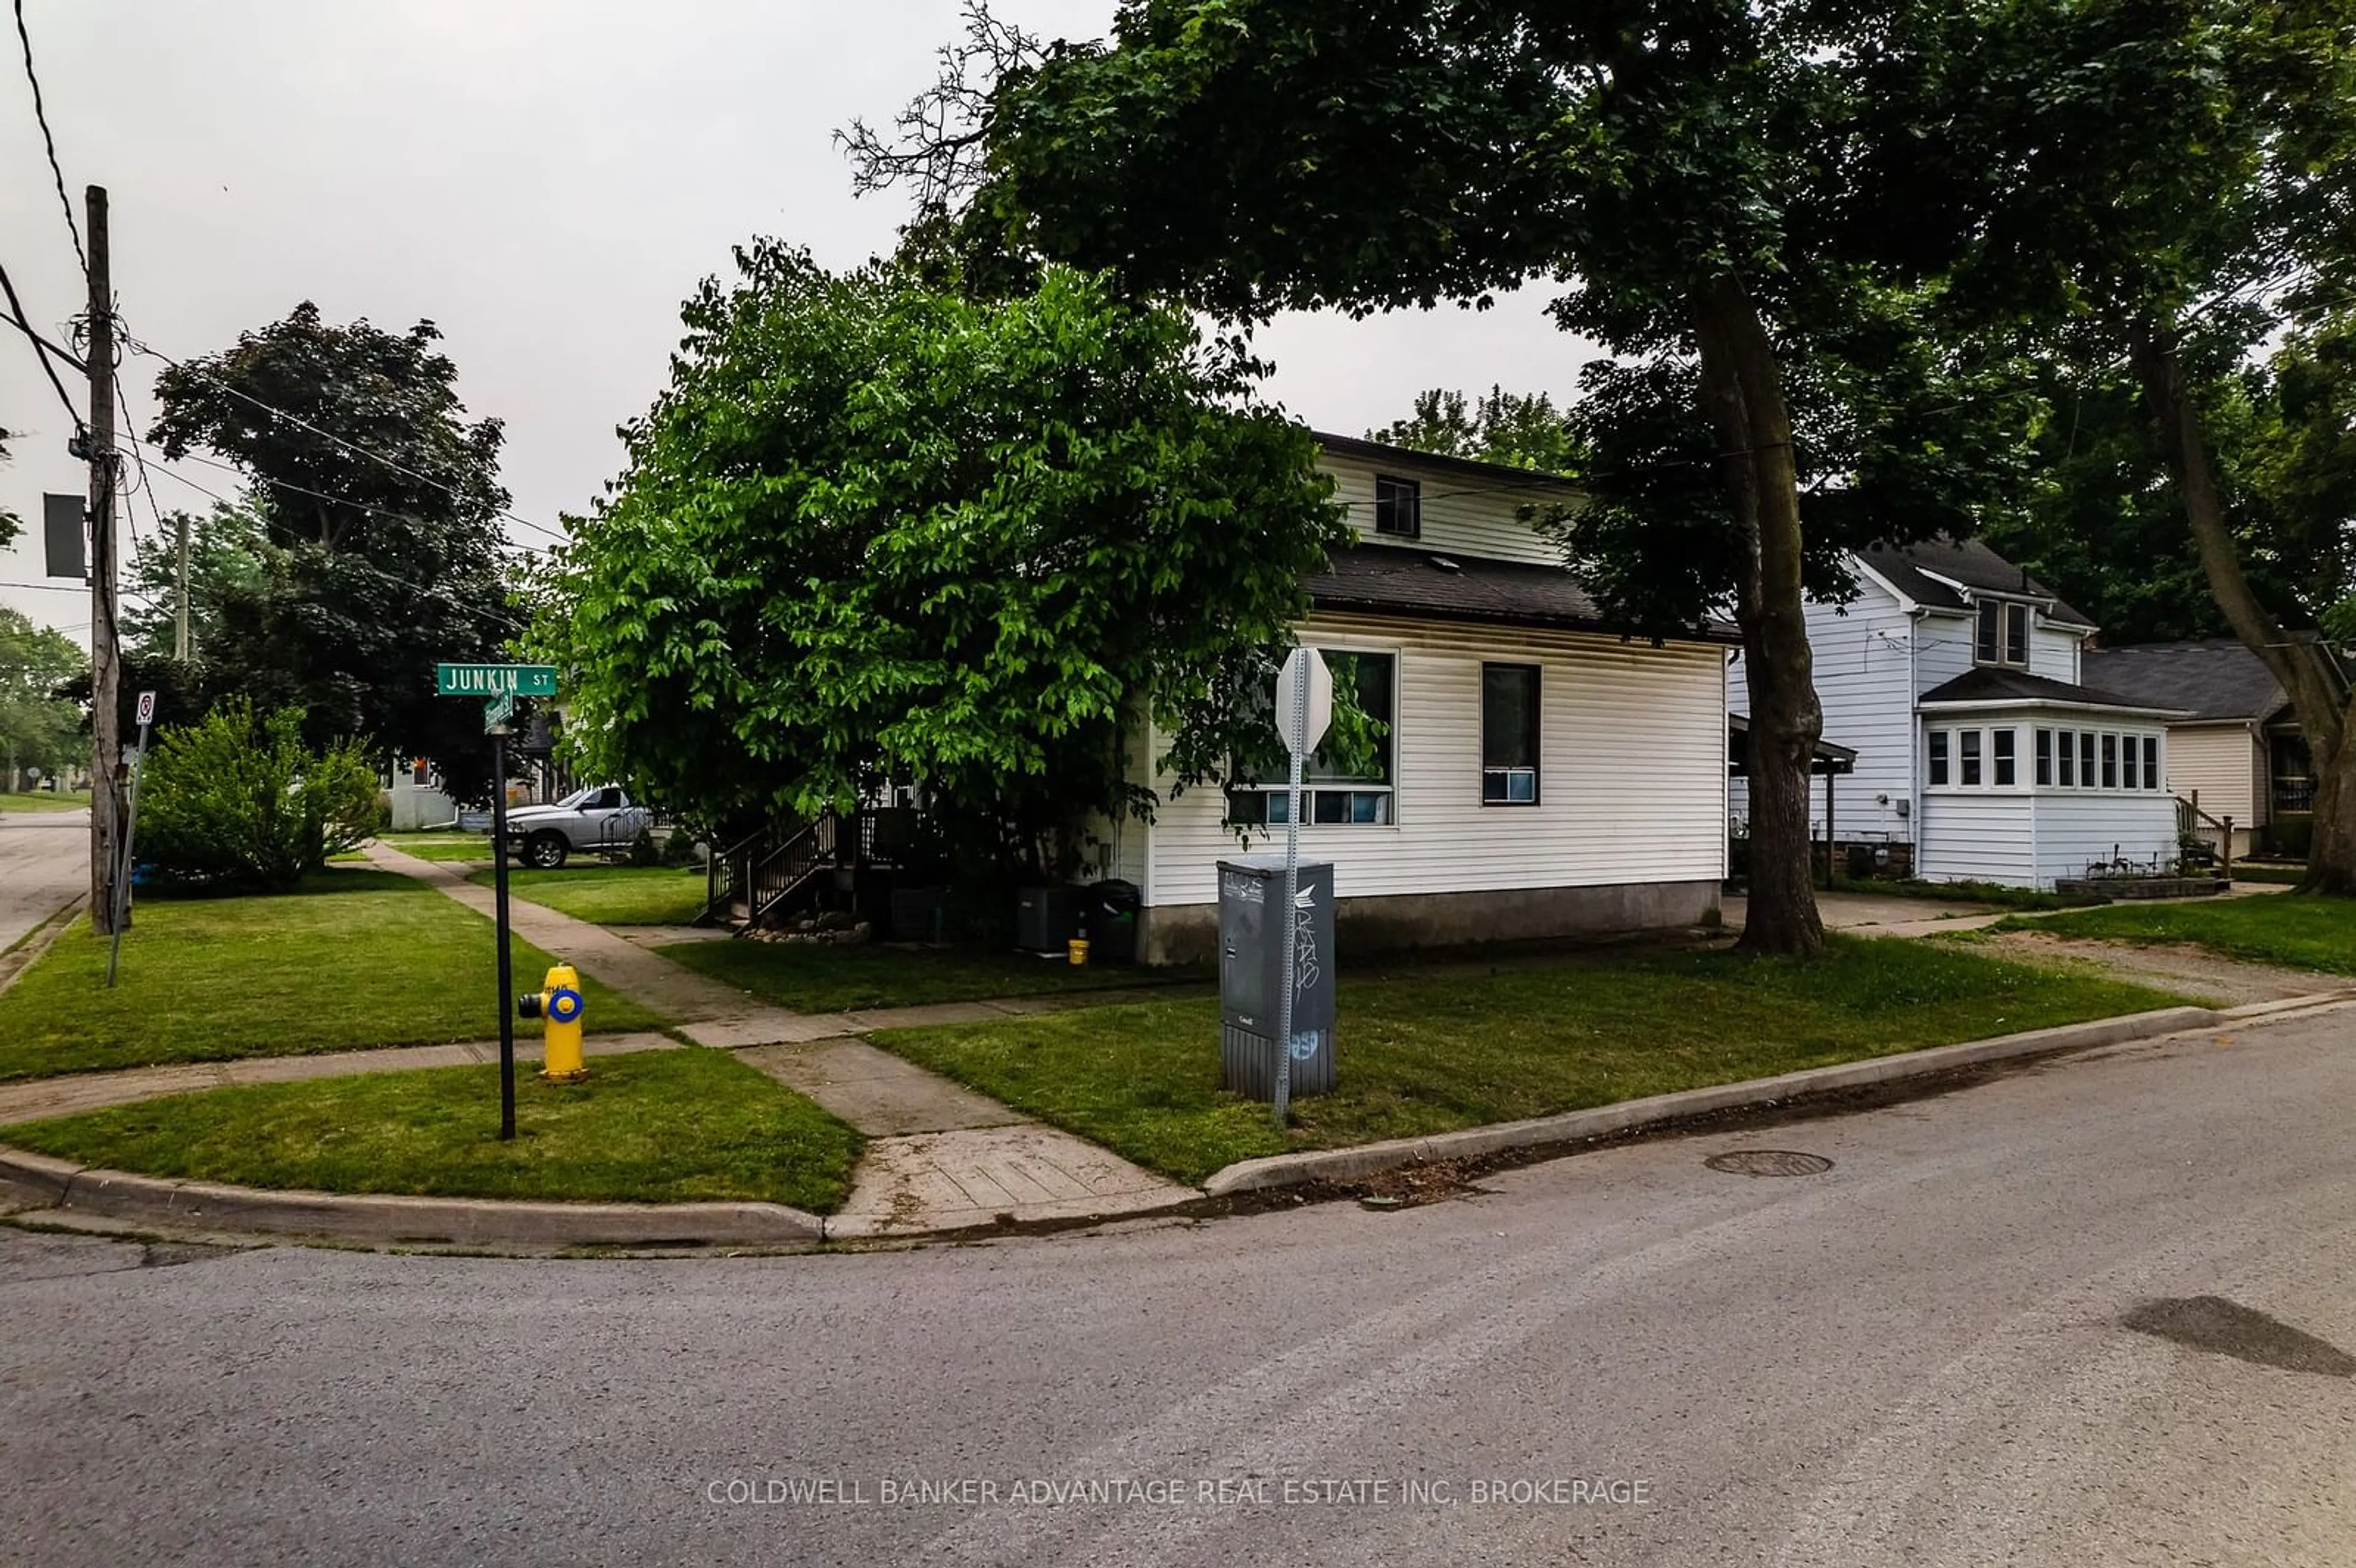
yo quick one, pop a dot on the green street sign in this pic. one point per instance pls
(498, 711)
(488, 680)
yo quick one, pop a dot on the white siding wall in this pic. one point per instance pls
(1942, 650)
(2073, 830)
(1460, 512)
(2222, 761)
(1863, 665)
(2053, 654)
(1979, 838)
(1632, 773)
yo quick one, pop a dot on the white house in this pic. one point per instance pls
(1543, 776)
(1981, 755)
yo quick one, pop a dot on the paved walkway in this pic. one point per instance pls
(1891, 915)
(939, 1156)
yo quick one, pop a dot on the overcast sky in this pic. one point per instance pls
(546, 179)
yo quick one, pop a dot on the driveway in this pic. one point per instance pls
(2091, 1313)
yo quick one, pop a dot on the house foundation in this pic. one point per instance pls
(1186, 933)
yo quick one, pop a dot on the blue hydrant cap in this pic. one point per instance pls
(564, 1004)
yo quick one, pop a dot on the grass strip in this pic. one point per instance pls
(654, 1127)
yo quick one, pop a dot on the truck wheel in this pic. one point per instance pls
(545, 851)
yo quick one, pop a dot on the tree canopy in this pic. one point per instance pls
(379, 543)
(39, 725)
(1520, 430)
(874, 532)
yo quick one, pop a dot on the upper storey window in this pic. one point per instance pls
(1398, 508)
(2003, 636)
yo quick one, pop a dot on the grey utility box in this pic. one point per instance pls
(1251, 960)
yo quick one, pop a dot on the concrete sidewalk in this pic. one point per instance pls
(940, 1156)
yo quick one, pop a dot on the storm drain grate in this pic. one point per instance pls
(1767, 1162)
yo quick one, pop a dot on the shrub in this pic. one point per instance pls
(236, 802)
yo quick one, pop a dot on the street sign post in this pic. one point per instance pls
(498, 686)
(146, 716)
(1304, 709)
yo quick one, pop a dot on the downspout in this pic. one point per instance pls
(1914, 739)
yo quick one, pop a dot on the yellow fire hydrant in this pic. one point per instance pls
(559, 1002)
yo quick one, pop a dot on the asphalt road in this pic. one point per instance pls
(44, 863)
(2090, 1314)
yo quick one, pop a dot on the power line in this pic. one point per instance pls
(42, 346)
(138, 347)
(41, 113)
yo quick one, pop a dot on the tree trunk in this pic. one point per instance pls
(1744, 396)
(2318, 694)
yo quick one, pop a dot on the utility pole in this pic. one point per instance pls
(105, 652)
(180, 621)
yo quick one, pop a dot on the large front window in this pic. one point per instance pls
(1331, 793)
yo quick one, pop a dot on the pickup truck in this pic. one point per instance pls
(599, 820)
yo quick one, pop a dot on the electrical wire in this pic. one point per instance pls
(137, 346)
(42, 347)
(41, 113)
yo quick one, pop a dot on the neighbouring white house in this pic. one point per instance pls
(2238, 754)
(1543, 776)
(413, 795)
(1983, 751)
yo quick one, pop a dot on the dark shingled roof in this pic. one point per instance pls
(1971, 563)
(1397, 580)
(2216, 678)
(1990, 684)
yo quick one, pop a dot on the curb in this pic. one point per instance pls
(35, 1182)
(1344, 1165)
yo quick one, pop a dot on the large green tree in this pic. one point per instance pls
(41, 723)
(876, 531)
(2145, 179)
(1518, 429)
(1706, 178)
(380, 508)
(2103, 525)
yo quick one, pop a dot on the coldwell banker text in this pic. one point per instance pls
(1181, 1492)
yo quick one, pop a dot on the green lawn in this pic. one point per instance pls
(1430, 1052)
(43, 800)
(359, 958)
(2267, 928)
(826, 977)
(654, 1126)
(2279, 876)
(612, 895)
(440, 846)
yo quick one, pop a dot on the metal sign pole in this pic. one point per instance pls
(130, 832)
(499, 884)
(1292, 892)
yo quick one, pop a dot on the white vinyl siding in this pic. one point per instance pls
(1978, 836)
(1863, 668)
(1459, 512)
(2074, 829)
(1632, 753)
(2222, 761)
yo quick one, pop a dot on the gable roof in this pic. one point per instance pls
(1991, 685)
(1404, 458)
(1400, 579)
(1924, 572)
(2216, 678)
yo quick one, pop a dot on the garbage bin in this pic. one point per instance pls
(1252, 932)
(1112, 922)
